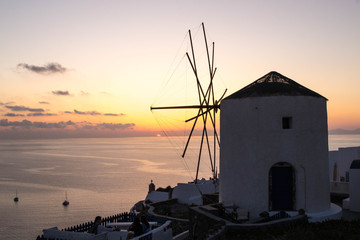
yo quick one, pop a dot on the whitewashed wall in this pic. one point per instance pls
(190, 193)
(346, 156)
(253, 140)
(354, 190)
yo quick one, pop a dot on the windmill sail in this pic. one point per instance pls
(206, 108)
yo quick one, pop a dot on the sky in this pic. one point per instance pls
(93, 68)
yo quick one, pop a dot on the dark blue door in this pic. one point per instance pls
(282, 188)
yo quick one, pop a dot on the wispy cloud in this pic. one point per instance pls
(49, 125)
(28, 124)
(114, 114)
(108, 126)
(6, 123)
(23, 108)
(39, 114)
(44, 102)
(61, 93)
(71, 123)
(114, 126)
(62, 125)
(46, 69)
(14, 115)
(92, 113)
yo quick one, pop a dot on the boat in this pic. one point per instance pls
(16, 198)
(66, 202)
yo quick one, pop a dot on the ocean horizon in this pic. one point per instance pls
(101, 176)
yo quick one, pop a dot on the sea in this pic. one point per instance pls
(99, 176)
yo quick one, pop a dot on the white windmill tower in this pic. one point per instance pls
(274, 151)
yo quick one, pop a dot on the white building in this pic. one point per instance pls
(340, 161)
(191, 193)
(274, 147)
(354, 200)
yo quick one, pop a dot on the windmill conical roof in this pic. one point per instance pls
(273, 84)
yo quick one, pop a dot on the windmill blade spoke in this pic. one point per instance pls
(200, 90)
(215, 132)
(205, 117)
(212, 119)
(198, 165)
(212, 87)
(192, 49)
(207, 50)
(214, 127)
(217, 137)
(207, 140)
(222, 96)
(212, 62)
(184, 107)
(188, 140)
(193, 64)
(208, 110)
(209, 149)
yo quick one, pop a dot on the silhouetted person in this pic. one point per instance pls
(135, 228)
(145, 224)
(98, 228)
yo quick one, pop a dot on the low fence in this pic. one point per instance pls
(84, 227)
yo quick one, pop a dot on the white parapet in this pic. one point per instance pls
(191, 193)
(334, 212)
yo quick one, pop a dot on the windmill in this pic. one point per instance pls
(207, 107)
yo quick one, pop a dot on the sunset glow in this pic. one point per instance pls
(94, 68)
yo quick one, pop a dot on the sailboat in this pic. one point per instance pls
(66, 202)
(16, 199)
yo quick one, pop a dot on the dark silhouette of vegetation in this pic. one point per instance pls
(329, 230)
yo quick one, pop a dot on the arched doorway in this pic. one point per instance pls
(282, 187)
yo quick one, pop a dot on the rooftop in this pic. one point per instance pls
(273, 84)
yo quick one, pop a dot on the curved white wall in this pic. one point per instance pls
(253, 140)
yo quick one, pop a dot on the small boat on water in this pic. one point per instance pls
(16, 199)
(66, 202)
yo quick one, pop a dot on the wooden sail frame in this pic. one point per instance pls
(207, 107)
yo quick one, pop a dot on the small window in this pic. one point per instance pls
(287, 122)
